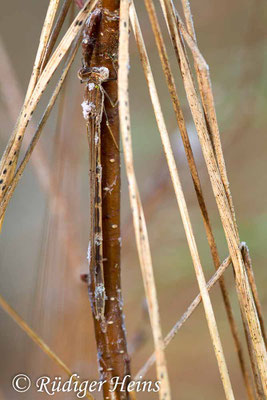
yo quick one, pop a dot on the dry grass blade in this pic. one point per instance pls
(189, 18)
(183, 207)
(251, 278)
(243, 289)
(46, 178)
(52, 8)
(43, 346)
(12, 95)
(205, 89)
(253, 360)
(218, 274)
(38, 131)
(55, 32)
(45, 34)
(9, 160)
(197, 185)
(137, 210)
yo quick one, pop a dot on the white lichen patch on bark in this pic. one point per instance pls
(87, 108)
(98, 239)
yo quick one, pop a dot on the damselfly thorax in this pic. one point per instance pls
(93, 74)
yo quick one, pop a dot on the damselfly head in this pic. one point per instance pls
(95, 74)
(84, 74)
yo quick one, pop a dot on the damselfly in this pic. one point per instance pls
(93, 111)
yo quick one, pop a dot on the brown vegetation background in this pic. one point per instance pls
(40, 270)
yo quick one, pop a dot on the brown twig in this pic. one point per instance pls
(110, 335)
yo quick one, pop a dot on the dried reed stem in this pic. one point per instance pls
(43, 346)
(252, 282)
(184, 211)
(253, 359)
(12, 97)
(45, 34)
(46, 178)
(204, 83)
(189, 19)
(10, 157)
(55, 32)
(243, 289)
(217, 276)
(197, 185)
(38, 131)
(137, 210)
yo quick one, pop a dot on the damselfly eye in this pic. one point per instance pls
(80, 74)
(83, 74)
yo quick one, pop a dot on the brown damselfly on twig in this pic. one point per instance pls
(93, 112)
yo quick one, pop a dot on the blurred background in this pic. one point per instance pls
(46, 230)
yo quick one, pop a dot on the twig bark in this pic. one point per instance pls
(110, 334)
